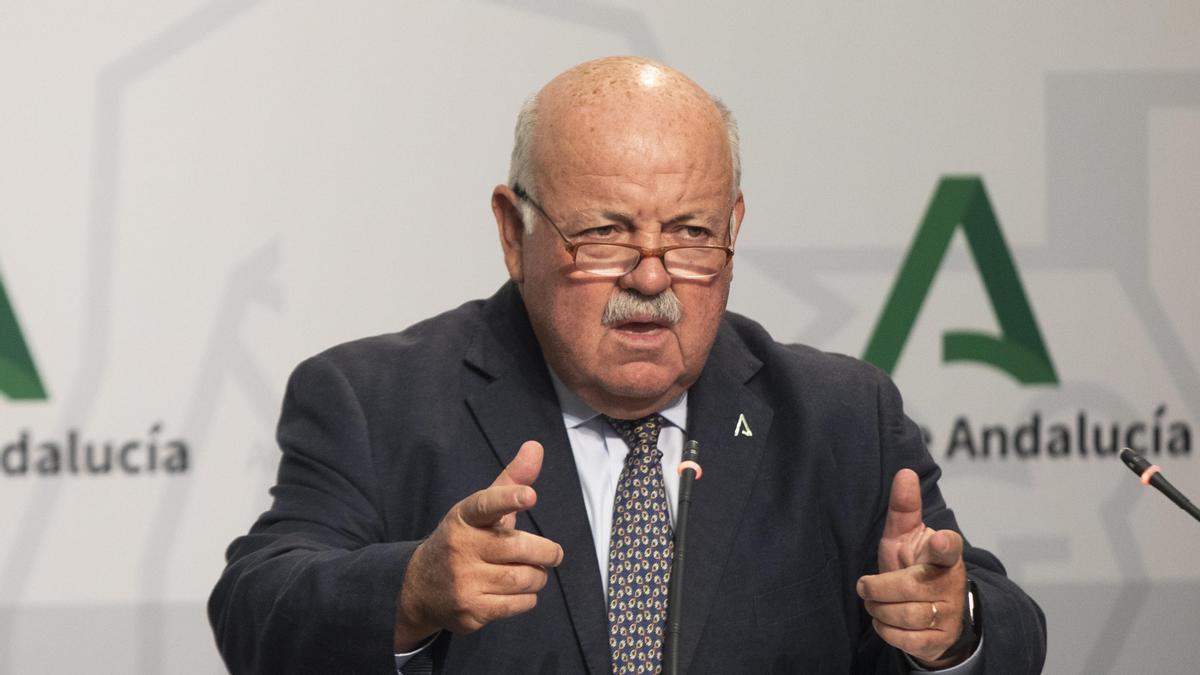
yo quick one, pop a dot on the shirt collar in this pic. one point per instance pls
(576, 413)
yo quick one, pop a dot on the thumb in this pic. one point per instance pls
(904, 506)
(524, 468)
(508, 494)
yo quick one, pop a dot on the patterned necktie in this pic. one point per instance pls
(639, 553)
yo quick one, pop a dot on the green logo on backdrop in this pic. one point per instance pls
(962, 201)
(18, 376)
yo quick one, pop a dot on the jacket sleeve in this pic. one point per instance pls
(312, 587)
(1014, 627)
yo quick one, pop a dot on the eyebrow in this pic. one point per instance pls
(676, 220)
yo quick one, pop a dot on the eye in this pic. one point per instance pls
(600, 232)
(696, 232)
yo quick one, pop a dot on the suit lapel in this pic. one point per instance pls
(518, 405)
(732, 424)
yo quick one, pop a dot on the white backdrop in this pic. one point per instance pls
(194, 196)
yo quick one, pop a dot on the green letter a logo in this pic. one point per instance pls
(1018, 350)
(18, 376)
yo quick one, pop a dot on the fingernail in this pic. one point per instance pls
(859, 587)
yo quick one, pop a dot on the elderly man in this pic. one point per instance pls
(493, 490)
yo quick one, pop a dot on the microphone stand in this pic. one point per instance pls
(689, 473)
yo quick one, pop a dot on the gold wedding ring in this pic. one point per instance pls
(933, 619)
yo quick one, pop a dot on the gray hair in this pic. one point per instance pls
(628, 304)
(520, 168)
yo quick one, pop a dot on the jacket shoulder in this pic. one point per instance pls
(428, 345)
(794, 364)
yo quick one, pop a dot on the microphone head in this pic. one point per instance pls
(691, 451)
(1134, 461)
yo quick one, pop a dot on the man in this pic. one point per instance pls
(492, 490)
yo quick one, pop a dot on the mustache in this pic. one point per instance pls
(627, 305)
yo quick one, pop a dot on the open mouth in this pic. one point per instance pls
(640, 326)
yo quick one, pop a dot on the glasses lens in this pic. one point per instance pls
(605, 260)
(694, 262)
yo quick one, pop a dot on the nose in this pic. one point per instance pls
(648, 278)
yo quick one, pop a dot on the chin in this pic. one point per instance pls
(641, 381)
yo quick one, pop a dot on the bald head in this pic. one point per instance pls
(610, 111)
(600, 82)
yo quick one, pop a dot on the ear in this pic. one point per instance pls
(511, 229)
(739, 212)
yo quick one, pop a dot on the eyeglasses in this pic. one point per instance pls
(687, 261)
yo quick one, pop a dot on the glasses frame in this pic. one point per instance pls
(572, 247)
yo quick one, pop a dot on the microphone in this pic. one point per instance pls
(1152, 475)
(689, 473)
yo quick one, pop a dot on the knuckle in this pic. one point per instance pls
(515, 545)
(517, 604)
(466, 623)
(510, 577)
(472, 614)
(889, 634)
(906, 642)
(495, 547)
(460, 513)
(916, 615)
(460, 607)
(495, 611)
(457, 554)
(926, 648)
(528, 602)
(463, 600)
(477, 506)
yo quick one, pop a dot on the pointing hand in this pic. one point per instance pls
(475, 568)
(918, 596)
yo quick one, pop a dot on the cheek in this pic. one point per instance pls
(703, 304)
(570, 311)
(703, 309)
(544, 286)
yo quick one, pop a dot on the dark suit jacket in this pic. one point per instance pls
(380, 437)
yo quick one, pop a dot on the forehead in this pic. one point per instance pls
(673, 150)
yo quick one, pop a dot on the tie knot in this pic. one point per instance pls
(641, 435)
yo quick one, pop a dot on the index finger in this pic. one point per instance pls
(486, 507)
(943, 548)
(904, 585)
